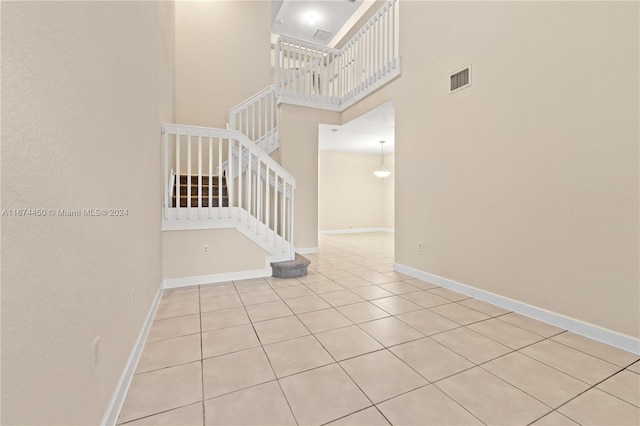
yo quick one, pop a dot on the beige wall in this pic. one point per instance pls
(229, 251)
(384, 94)
(349, 195)
(85, 86)
(222, 57)
(526, 183)
(299, 155)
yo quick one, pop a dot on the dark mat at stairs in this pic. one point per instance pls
(291, 268)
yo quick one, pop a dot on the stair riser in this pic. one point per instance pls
(292, 268)
(205, 202)
(205, 180)
(184, 190)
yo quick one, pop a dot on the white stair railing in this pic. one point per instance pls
(258, 200)
(311, 75)
(307, 72)
(257, 119)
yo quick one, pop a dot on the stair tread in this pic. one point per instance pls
(294, 268)
(214, 185)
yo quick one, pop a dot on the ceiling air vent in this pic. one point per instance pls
(322, 35)
(460, 79)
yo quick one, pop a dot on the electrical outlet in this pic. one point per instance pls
(205, 249)
(96, 351)
(133, 298)
(420, 246)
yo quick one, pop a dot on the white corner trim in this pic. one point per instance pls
(582, 328)
(355, 231)
(308, 250)
(117, 399)
(216, 278)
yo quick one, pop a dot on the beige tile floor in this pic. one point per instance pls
(355, 343)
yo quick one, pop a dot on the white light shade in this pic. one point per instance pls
(382, 172)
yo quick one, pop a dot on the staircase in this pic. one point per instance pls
(225, 178)
(200, 197)
(218, 178)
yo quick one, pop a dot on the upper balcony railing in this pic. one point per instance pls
(312, 75)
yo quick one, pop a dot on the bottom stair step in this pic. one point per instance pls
(205, 202)
(291, 268)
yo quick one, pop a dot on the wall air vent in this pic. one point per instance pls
(460, 79)
(322, 35)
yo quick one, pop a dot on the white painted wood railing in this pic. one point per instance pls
(258, 200)
(307, 73)
(257, 119)
(311, 75)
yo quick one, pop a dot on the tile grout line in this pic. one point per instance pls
(590, 354)
(204, 420)
(159, 412)
(385, 348)
(482, 365)
(594, 386)
(339, 365)
(264, 352)
(324, 348)
(555, 368)
(590, 386)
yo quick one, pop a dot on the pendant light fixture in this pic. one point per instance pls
(382, 172)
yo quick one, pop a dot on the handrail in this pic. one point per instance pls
(367, 25)
(273, 164)
(257, 118)
(318, 76)
(252, 98)
(185, 130)
(309, 45)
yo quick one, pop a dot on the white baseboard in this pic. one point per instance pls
(585, 329)
(308, 250)
(355, 231)
(117, 399)
(216, 278)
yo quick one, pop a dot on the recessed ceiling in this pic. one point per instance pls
(362, 134)
(302, 19)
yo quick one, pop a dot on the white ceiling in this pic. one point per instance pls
(362, 134)
(302, 18)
